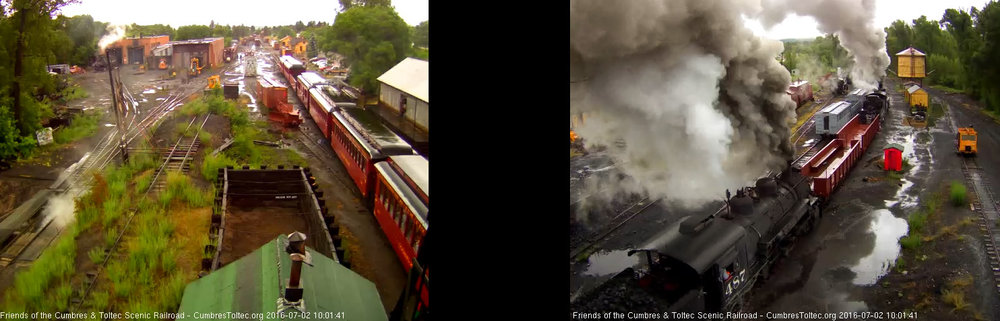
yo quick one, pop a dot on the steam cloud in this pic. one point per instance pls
(114, 34)
(699, 99)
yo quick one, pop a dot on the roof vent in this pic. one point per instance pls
(296, 249)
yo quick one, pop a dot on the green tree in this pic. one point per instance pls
(193, 32)
(371, 38)
(284, 31)
(299, 26)
(135, 30)
(420, 35)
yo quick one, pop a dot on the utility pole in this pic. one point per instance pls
(114, 105)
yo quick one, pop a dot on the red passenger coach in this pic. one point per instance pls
(321, 108)
(306, 81)
(361, 140)
(291, 68)
(401, 205)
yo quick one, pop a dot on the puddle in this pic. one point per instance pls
(149, 91)
(902, 198)
(161, 99)
(608, 263)
(809, 142)
(109, 125)
(887, 229)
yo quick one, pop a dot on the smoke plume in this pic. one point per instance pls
(114, 33)
(699, 100)
(852, 21)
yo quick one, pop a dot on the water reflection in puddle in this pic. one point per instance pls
(887, 229)
(608, 263)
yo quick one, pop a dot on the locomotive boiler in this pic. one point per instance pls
(710, 262)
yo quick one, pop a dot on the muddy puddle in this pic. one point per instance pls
(888, 229)
(609, 263)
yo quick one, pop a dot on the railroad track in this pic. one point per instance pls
(984, 203)
(175, 160)
(626, 215)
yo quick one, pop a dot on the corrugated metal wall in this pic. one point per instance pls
(416, 110)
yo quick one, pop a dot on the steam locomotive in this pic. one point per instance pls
(710, 262)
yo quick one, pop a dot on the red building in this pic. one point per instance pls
(893, 157)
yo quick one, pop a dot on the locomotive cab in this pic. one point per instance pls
(670, 279)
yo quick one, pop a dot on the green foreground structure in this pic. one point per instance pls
(253, 286)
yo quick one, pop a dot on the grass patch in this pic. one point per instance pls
(911, 241)
(72, 93)
(210, 166)
(934, 112)
(38, 288)
(96, 255)
(946, 89)
(82, 125)
(958, 197)
(179, 186)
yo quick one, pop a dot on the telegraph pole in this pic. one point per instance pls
(114, 105)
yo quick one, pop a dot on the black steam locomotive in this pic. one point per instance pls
(710, 262)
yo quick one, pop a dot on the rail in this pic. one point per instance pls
(985, 204)
(132, 213)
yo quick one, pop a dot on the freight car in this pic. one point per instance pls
(801, 92)
(833, 117)
(711, 262)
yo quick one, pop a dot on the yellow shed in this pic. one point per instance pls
(916, 96)
(911, 63)
(285, 41)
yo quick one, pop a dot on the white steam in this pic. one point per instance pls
(853, 21)
(115, 33)
(60, 209)
(699, 100)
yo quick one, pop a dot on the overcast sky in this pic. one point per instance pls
(886, 11)
(232, 12)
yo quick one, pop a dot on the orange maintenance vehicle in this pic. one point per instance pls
(965, 141)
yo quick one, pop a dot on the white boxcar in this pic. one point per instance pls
(833, 117)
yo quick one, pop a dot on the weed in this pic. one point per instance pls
(900, 264)
(958, 194)
(956, 298)
(911, 241)
(99, 301)
(917, 220)
(210, 166)
(96, 255)
(81, 126)
(110, 235)
(204, 137)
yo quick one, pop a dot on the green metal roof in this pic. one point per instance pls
(252, 285)
(894, 145)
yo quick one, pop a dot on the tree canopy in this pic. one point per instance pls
(193, 32)
(420, 34)
(372, 39)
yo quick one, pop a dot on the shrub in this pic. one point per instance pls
(910, 242)
(81, 126)
(210, 166)
(958, 194)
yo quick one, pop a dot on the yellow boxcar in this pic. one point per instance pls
(916, 96)
(966, 141)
